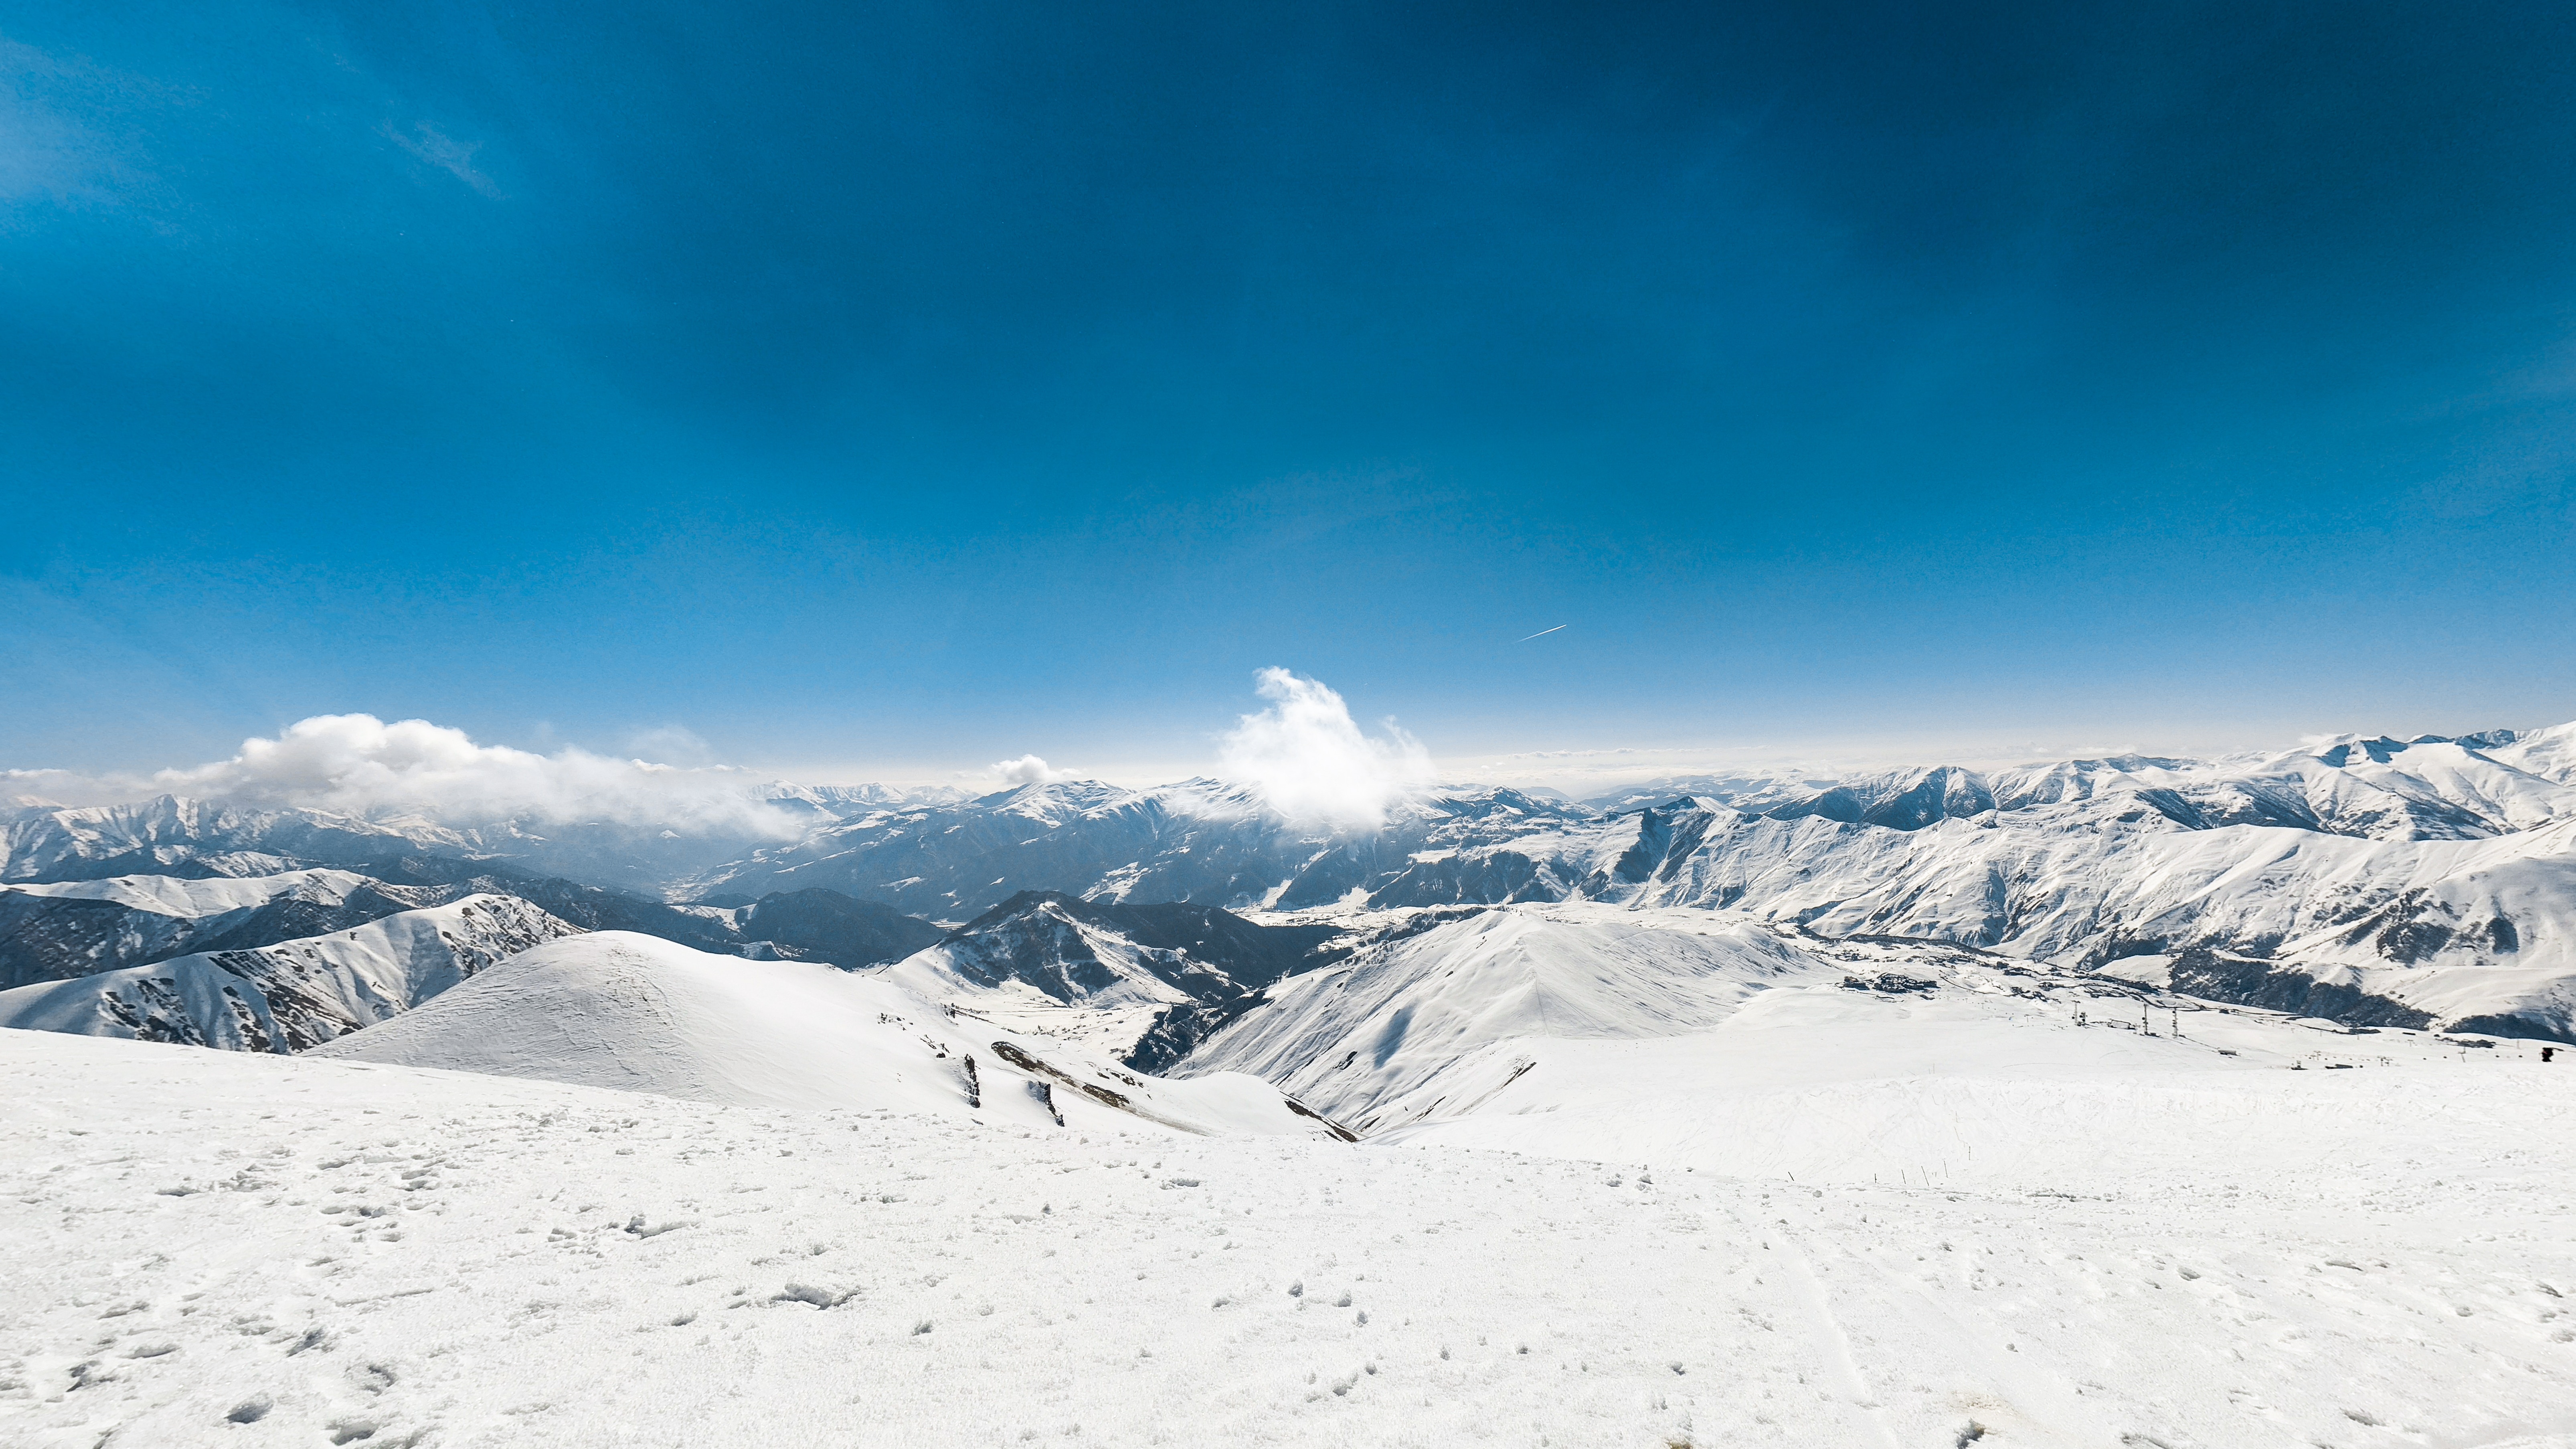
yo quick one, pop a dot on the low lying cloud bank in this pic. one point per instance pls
(357, 764)
(1309, 759)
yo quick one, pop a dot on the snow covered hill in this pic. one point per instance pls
(614, 1009)
(1402, 1014)
(296, 994)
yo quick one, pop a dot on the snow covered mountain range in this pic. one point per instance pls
(169, 835)
(2369, 880)
(2374, 880)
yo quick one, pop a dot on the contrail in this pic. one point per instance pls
(1540, 632)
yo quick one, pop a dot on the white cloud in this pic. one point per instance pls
(1029, 770)
(356, 764)
(1309, 760)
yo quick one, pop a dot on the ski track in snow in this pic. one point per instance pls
(216, 1248)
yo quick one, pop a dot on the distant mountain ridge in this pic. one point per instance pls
(171, 835)
(2431, 878)
(1200, 841)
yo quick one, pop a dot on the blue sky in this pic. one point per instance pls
(886, 390)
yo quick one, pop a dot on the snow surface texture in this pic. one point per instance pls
(207, 1248)
(296, 994)
(615, 1009)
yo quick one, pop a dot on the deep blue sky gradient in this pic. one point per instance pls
(887, 389)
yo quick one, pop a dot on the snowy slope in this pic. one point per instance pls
(615, 1009)
(1395, 1018)
(215, 1248)
(296, 994)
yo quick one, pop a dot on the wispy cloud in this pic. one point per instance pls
(428, 143)
(53, 149)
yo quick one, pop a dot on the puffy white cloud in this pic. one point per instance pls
(1308, 758)
(357, 764)
(1029, 770)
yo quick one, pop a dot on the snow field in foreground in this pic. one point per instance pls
(211, 1248)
